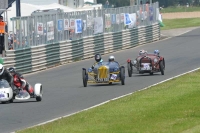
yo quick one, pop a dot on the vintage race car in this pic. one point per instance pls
(104, 72)
(147, 63)
(7, 95)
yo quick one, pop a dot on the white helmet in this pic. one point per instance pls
(141, 52)
(1, 69)
(111, 58)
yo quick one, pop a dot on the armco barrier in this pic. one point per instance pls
(41, 57)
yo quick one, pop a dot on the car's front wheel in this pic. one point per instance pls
(161, 67)
(84, 78)
(130, 71)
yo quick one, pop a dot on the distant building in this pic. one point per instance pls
(75, 3)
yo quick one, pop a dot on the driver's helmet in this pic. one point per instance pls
(141, 52)
(156, 52)
(111, 58)
(11, 70)
(97, 57)
(1, 69)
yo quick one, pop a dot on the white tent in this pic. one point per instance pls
(27, 9)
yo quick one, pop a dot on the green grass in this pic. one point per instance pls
(170, 107)
(180, 23)
(180, 9)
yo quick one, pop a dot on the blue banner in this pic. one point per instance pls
(78, 26)
(127, 19)
(151, 13)
(60, 25)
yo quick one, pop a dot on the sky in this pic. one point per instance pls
(43, 2)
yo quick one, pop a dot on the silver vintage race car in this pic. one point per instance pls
(104, 72)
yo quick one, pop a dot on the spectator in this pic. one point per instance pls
(107, 4)
(10, 41)
(3, 30)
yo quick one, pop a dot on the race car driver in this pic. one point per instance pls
(111, 58)
(156, 52)
(4, 74)
(98, 59)
(20, 82)
(142, 52)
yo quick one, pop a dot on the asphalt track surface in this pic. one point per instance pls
(64, 92)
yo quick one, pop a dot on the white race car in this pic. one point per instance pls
(7, 95)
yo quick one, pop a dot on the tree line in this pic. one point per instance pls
(164, 3)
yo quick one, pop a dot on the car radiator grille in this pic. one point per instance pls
(103, 72)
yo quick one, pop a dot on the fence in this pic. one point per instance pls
(48, 28)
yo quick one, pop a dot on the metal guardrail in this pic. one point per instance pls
(41, 57)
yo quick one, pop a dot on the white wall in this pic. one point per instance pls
(75, 3)
(93, 1)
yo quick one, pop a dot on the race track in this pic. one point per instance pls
(64, 92)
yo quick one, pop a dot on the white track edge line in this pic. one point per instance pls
(112, 99)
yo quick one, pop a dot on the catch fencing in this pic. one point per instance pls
(44, 28)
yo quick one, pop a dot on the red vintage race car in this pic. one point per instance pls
(146, 63)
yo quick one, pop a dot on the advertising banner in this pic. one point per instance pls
(98, 25)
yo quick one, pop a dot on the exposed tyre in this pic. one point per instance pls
(11, 100)
(130, 70)
(84, 78)
(38, 98)
(164, 64)
(161, 67)
(122, 75)
(151, 73)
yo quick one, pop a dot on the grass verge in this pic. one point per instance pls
(169, 107)
(180, 9)
(180, 23)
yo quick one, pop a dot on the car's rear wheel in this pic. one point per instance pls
(151, 73)
(122, 74)
(130, 70)
(161, 67)
(84, 78)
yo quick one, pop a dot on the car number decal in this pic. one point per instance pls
(114, 76)
(146, 66)
(102, 79)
